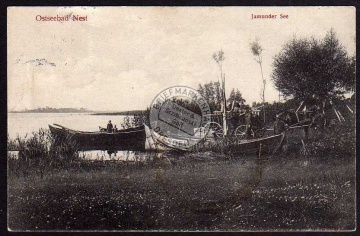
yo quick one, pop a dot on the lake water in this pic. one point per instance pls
(24, 124)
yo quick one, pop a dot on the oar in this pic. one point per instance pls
(349, 109)
(299, 126)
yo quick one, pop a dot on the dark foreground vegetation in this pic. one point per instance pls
(308, 186)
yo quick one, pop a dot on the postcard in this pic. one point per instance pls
(181, 119)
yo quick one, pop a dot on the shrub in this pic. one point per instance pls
(40, 153)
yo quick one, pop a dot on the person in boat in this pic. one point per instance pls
(115, 129)
(109, 127)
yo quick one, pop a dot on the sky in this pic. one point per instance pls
(122, 57)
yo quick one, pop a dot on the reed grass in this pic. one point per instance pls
(40, 153)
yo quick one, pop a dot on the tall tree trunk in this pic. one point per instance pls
(224, 102)
(263, 90)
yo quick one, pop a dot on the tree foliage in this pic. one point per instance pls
(212, 91)
(236, 96)
(256, 49)
(219, 57)
(310, 68)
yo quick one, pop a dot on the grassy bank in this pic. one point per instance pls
(228, 195)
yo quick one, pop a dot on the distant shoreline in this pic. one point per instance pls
(89, 112)
(130, 113)
(54, 110)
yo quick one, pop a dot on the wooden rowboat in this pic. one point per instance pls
(260, 147)
(127, 139)
(266, 146)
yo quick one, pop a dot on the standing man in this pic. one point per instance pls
(279, 125)
(235, 116)
(307, 123)
(248, 119)
(109, 127)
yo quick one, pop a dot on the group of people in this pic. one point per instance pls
(253, 122)
(311, 117)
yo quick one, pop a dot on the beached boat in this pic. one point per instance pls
(261, 147)
(158, 142)
(127, 139)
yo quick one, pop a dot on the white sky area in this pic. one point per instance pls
(122, 57)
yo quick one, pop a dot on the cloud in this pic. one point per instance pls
(39, 62)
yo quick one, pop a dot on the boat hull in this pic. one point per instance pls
(261, 147)
(157, 142)
(132, 139)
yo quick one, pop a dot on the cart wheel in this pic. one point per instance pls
(215, 130)
(240, 132)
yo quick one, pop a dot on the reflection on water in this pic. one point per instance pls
(105, 155)
(115, 155)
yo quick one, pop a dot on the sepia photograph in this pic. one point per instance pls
(195, 119)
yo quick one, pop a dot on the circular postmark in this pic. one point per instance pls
(179, 115)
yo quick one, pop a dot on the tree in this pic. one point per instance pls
(219, 58)
(314, 69)
(211, 92)
(257, 52)
(235, 96)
